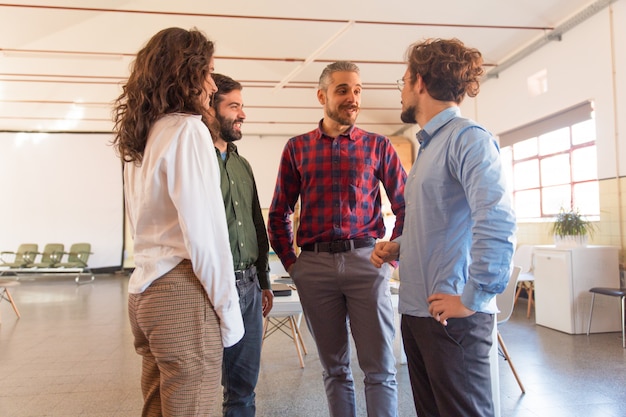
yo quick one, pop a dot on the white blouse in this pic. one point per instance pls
(175, 209)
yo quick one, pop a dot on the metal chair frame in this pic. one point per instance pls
(611, 292)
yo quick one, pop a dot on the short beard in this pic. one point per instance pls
(343, 121)
(227, 131)
(408, 115)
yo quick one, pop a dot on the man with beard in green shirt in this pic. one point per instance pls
(249, 246)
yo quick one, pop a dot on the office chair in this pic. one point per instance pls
(523, 258)
(611, 292)
(505, 302)
(21, 258)
(50, 256)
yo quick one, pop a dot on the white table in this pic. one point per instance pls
(394, 302)
(285, 316)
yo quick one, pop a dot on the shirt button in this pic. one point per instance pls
(239, 223)
(232, 182)
(241, 244)
(236, 203)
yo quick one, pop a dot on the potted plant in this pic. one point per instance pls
(570, 229)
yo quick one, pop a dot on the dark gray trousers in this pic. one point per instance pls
(449, 365)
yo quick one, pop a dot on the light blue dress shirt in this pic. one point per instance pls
(459, 225)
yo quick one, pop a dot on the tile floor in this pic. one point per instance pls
(71, 354)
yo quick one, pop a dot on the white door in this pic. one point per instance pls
(553, 289)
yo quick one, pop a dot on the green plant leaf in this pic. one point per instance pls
(571, 223)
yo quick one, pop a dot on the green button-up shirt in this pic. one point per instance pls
(246, 226)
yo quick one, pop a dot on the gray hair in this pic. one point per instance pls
(339, 66)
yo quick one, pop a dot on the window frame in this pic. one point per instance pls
(566, 119)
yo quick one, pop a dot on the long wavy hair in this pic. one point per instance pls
(167, 76)
(450, 70)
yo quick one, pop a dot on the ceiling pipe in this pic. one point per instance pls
(554, 35)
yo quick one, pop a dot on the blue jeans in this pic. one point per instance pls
(240, 367)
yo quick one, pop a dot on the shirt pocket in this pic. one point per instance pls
(363, 172)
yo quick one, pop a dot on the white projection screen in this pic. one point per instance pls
(62, 188)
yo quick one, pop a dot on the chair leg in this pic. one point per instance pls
(299, 333)
(529, 292)
(296, 341)
(623, 329)
(280, 324)
(7, 296)
(593, 296)
(517, 293)
(507, 358)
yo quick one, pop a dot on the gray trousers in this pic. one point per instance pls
(342, 292)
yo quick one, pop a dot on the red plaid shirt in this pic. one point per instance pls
(338, 182)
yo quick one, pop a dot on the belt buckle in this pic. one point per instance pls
(338, 246)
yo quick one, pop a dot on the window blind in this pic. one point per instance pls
(567, 117)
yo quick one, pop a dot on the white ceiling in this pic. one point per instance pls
(63, 62)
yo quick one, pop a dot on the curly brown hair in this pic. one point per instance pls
(449, 69)
(167, 76)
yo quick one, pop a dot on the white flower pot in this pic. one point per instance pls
(570, 241)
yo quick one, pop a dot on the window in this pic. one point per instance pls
(554, 168)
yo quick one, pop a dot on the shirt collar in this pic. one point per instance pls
(350, 133)
(443, 117)
(230, 147)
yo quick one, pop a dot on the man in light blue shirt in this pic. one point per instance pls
(458, 240)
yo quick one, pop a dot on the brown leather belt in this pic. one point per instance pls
(337, 246)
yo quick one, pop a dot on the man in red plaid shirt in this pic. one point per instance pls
(336, 171)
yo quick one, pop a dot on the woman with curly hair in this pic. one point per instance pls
(183, 303)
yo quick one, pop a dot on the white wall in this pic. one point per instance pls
(61, 188)
(579, 68)
(263, 153)
(619, 39)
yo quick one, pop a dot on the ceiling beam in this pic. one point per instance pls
(315, 54)
(554, 35)
(279, 18)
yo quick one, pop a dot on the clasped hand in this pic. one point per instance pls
(384, 252)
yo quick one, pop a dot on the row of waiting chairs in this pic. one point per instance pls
(54, 255)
